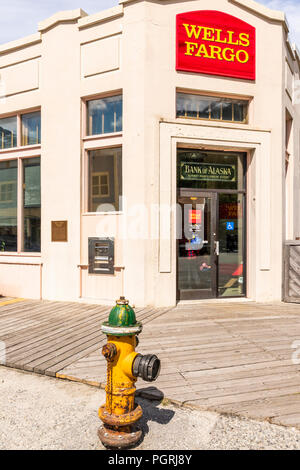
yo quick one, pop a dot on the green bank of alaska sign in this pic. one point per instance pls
(206, 171)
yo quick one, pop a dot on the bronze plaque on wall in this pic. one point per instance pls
(59, 231)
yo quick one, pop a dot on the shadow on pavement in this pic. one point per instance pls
(149, 399)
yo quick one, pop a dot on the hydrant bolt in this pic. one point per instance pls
(109, 351)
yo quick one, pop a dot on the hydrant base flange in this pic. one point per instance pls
(125, 419)
(119, 439)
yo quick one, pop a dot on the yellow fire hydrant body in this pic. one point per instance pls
(120, 413)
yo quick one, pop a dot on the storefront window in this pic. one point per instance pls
(32, 204)
(105, 180)
(211, 108)
(31, 128)
(199, 169)
(8, 132)
(104, 115)
(8, 205)
(12, 238)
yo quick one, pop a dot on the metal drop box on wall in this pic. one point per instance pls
(101, 255)
(292, 271)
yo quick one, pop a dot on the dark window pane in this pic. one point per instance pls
(8, 132)
(239, 112)
(31, 128)
(32, 204)
(226, 111)
(216, 110)
(180, 104)
(8, 205)
(105, 180)
(105, 115)
(205, 107)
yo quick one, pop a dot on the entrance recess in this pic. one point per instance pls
(210, 225)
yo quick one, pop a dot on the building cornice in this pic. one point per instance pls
(20, 43)
(297, 54)
(61, 17)
(249, 5)
(100, 17)
(262, 11)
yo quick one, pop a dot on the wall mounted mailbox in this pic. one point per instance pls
(101, 255)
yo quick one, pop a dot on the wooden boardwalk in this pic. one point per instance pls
(231, 357)
(45, 337)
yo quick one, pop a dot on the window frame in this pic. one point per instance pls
(23, 136)
(20, 204)
(18, 114)
(86, 194)
(85, 100)
(99, 174)
(217, 96)
(5, 184)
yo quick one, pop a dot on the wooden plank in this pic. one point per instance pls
(30, 353)
(246, 396)
(41, 318)
(56, 329)
(287, 420)
(59, 366)
(267, 408)
(51, 356)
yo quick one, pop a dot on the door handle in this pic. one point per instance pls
(217, 248)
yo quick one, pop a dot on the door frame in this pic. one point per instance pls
(214, 195)
(189, 192)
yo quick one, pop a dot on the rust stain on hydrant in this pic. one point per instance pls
(120, 412)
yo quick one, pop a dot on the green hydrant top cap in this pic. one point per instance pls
(121, 320)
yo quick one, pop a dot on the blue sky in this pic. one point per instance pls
(20, 17)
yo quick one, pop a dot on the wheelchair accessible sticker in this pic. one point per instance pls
(229, 225)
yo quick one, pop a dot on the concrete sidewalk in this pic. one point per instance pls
(229, 357)
(40, 412)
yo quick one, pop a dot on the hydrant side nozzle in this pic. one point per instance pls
(147, 367)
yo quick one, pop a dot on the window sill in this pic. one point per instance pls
(102, 136)
(102, 213)
(19, 149)
(19, 255)
(214, 124)
(20, 259)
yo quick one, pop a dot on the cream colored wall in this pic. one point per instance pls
(61, 154)
(133, 49)
(20, 275)
(21, 278)
(158, 39)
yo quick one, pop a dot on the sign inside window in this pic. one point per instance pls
(207, 171)
(195, 216)
(215, 43)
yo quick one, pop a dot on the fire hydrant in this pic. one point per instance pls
(120, 412)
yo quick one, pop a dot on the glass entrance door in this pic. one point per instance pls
(231, 237)
(197, 255)
(210, 245)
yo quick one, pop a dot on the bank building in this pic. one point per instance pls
(151, 150)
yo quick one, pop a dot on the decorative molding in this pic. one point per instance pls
(100, 17)
(61, 16)
(20, 43)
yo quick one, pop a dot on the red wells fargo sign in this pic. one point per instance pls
(215, 43)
